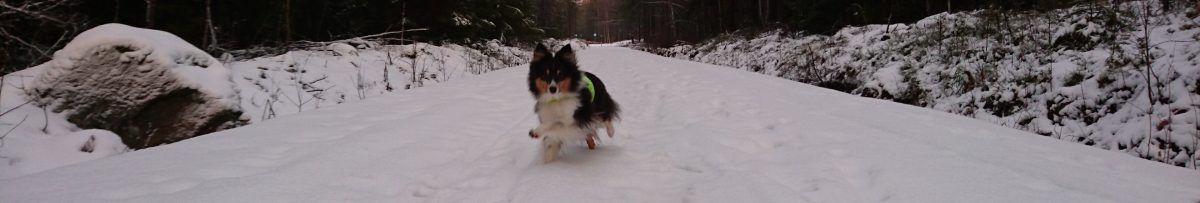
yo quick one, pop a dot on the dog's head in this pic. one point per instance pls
(552, 76)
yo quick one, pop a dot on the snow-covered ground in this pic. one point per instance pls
(690, 132)
(304, 80)
(35, 139)
(1075, 74)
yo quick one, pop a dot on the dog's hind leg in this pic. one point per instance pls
(591, 141)
(609, 128)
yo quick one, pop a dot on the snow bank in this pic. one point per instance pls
(144, 87)
(694, 134)
(304, 80)
(555, 44)
(1075, 74)
(30, 154)
(264, 88)
(622, 43)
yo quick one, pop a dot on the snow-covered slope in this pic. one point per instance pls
(691, 132)
(1077, 74)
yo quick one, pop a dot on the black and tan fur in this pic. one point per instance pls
(565, 109)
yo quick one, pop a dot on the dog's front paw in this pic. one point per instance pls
(533, 134)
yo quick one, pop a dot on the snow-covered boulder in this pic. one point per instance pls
(342, 49)
(147, 86)
(555, 44)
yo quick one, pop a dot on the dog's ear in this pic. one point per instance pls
(540, 53)
(566, 54)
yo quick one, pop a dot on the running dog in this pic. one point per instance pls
(570, 103)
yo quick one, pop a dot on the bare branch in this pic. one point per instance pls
(15, 108)
(1173, 41)
(668, 3)
(14, 127)
(389, 33)
(4, 33)
(34, 14)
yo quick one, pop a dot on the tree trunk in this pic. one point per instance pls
(720, 18)
(571, 29)
(150, 13)
(287, 21)
(116, 11)
(1149, 72)
(888, 28)
(928, 10)
(671, 12)
(404, 20)
(209, 30)
(762, 17)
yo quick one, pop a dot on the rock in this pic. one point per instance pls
(101, 143)
(342, 49)
(147, 86)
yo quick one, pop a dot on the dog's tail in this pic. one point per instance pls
(608, 117)
(614, 112)
(609, 128)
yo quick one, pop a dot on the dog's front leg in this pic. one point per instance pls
(542, 129)
(550, 146)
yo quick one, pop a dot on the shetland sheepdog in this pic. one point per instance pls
(571, 104)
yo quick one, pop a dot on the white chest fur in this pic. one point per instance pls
(561, 111)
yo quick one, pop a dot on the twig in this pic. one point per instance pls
(1174, 41)
(14, 127)
(34, 14)
(316, 43)
(5, 33)
(387, 33)
(1196, 137)
(15, 108)
(46, 116)
(1145, 41)
(2, 84)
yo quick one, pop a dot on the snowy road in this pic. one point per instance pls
(691, 133)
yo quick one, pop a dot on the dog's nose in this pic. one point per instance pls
(553, 89)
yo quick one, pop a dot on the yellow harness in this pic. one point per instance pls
(591, 89)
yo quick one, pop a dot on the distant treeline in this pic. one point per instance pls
(31, 29)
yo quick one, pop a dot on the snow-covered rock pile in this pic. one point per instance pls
(148, 86)
(1075, 74)
(112, 88)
